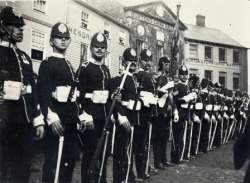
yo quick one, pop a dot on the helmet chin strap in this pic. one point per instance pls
(10, 34)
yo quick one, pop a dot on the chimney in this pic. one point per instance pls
(200, 20)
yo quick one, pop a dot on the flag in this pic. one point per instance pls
(175, 46)
(175, 38)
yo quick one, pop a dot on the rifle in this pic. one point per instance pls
(70, 96)
(102, 138)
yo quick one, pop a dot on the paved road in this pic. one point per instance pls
(213, 167)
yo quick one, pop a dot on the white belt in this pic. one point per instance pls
(185, 106)
(130, 104)
(209, 107)
(98, 96)
(88, 95)
(199, 106)
(216, 108)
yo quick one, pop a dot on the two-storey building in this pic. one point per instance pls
(212, 54)
(83, 21)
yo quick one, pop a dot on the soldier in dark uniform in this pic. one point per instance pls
(206, 120)
(195, 115)
(94, 93)
(56, 77)
(181, 98)
(20, 112)
(219, 98)
(147, 85)
(126, 116)
(162, 121)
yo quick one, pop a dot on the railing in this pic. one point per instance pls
(213, 63)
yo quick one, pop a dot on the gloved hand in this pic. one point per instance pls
(176, 116)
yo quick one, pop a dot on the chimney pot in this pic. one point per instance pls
(200, 20)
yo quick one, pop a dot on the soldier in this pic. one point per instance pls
(94, 93)
(147, 85)
(164, 109)
(56, 77)
(182, 97)
(195, 116)
(20, 112)
(126, 115)
(206, 120)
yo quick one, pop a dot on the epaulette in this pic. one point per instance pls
(84, 64)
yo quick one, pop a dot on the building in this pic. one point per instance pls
(152, 26)
(83, 21)
(212, 54)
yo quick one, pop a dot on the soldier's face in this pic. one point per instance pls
(16, 31)
(98, 52)
(146, 64)
(61, 43)
(183, 78)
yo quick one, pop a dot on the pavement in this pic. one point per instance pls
(214, 167)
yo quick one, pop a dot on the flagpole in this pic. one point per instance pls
(175, 47)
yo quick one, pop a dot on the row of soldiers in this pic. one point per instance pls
(80, 107)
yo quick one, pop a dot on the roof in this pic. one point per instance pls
(101, 13)
(205, 34)
(182, 25)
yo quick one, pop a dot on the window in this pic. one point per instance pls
(193, 72)
(222, 78)
(106, 60)
(85, 20)
(159, 52)
(193, 50)
(139, 46)
(37, 45)
(107, 30)
(40, 5)
(208, 74)
(222, 55)
(160, 36)
(122, 38)
(236, 57)
(236, 81)
(85, 48)
(208, 53)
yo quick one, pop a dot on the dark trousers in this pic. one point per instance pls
(15, 152)
(140, 146)
(178, 130)
(120, 158)
(204, 136)
(69, 154)
(90, 139)
(160, 139)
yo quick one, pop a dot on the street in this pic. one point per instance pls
(213, 167)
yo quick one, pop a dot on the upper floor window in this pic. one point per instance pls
(236, 56)
(160, 36)
(107, 30)
(208, 53)
(85, 20)
(193, 50)
(40, 5)
(139, 46)
(236, 81)
(209, 74)
(37, 45)
(222, 55)
(122, 38)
